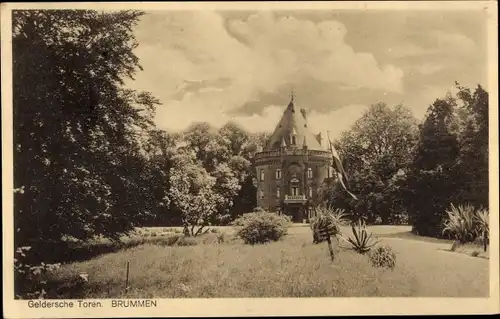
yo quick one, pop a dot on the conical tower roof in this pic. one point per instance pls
(292, 123)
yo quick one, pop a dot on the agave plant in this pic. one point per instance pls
(327, 220)
(482, 225)
(362, 241)
(461, 223)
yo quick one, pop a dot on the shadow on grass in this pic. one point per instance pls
(411, 236)
(472, 254)
(67, 252)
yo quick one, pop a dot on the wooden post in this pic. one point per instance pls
(329, 241)
(126, 279)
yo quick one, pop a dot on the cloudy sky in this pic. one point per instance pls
(241, 66)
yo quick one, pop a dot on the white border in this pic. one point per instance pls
(253, 306)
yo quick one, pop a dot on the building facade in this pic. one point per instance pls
(291, 167)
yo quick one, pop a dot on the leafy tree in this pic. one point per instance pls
(472, 166)
(76, 127)
(227, 187)
(431, 182)
(160, 148)
(207, 145)
(374, 151)
(193, 195)
(235, 138)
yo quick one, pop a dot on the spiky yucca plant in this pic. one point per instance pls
(482, 226)
(329, 219)
(461, 223)
(362, 241)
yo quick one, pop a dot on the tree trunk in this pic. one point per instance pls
(329, 241)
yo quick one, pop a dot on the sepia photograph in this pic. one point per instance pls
(248, 151)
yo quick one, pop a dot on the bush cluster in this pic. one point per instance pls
(383, 256)
(467, 224)
(262, 227)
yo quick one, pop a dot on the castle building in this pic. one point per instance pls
(291, 167)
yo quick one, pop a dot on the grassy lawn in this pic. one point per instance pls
(293, 267)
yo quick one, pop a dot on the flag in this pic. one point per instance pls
(339, 168)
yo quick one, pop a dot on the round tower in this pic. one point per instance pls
(291, 167)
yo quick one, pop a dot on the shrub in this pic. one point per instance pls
(383, 256)
(327, 220)
(362, 241)
(262, 227)
(461, 223)
(482, 218)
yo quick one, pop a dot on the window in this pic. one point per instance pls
(293, 140)
(278, 192)
(261, 194)
(310, 192)
(295, 191)
(261, 174)
(309, 173)
(278, 174)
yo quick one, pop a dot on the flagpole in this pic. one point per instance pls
(340, 170)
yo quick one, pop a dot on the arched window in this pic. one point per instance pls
(310, 192)
(278, 174)
(309, 173)
(261, 174)
(278, 192)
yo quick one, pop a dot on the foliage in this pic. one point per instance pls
(362, 242)
(461, 223)
(193, 195)
(76, 127)
(450, 162)
(262, 227)
(328, 220)
(482, 225)
(467, 224)
(472, 163)
(30, 281)
(383, 256)
(376, 152)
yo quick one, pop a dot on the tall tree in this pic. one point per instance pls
(472, 163)
(75, 126)
(432, 181)
(193, 194)
(374, 151)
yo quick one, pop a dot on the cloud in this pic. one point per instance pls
(203, 67)
(241, 66)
